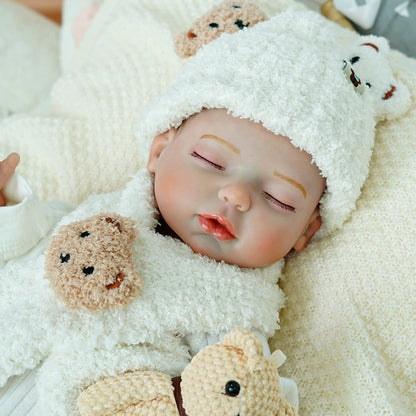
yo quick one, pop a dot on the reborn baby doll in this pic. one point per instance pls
(243, 144)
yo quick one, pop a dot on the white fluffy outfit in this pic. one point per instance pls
(183, 293)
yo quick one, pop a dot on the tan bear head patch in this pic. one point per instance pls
(90, 263)
(227, 17)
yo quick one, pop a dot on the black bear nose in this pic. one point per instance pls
(88, 270)
(239, 23)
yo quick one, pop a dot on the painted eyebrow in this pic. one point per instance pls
(222, 141)
(291, 181)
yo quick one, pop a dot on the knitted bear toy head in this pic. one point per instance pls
(233, 378)
(90, 263)
(227, 17)
(229, 378)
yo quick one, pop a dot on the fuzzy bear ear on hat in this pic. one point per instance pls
(368, 64)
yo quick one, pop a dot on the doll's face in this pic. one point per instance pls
(234, 191)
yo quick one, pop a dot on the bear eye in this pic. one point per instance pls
(354, 60)
(88, 270)
(84, 234)
(65, 259)
(236, 7)
(214, 25)
(232, 388)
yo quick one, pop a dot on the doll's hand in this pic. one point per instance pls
(7, 168)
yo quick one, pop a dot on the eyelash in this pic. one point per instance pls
(275, 201)
(214, 165)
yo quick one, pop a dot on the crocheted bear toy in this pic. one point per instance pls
(90, 263)
(227, 17)
(229, 378)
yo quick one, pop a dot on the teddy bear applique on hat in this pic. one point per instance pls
(227, 17)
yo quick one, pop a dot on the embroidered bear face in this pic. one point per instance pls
(228, 17)
(90, 263)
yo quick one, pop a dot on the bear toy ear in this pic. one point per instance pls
(249, 344)
(226, 17)
(123, 224)
(369, 60)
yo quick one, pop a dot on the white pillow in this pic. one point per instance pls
(29, 58)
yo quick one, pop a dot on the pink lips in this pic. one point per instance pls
(217, 226)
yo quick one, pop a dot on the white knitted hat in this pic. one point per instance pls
(286, 73)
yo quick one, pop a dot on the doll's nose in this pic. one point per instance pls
(237, 195)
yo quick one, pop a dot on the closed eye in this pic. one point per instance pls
(278, 203)
(207, 161)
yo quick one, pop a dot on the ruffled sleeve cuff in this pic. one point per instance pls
(23, 222)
